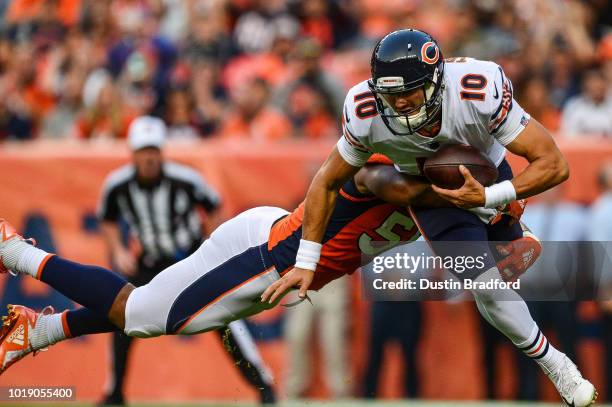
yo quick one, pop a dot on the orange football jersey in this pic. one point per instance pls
(356, 222)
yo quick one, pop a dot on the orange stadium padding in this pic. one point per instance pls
(62, 182)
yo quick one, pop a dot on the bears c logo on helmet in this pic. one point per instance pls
(430, 53)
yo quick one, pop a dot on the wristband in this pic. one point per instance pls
(308, 255)
(499, 194)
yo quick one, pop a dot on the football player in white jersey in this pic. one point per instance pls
(414, 103)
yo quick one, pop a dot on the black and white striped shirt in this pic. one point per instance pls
(163, 217)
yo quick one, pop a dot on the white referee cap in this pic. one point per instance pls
(146, 131)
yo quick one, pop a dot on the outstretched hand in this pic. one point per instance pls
(297, 277)
(470, 195)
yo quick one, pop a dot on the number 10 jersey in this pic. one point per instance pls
(478, 109)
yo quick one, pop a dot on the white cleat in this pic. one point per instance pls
(574, 389)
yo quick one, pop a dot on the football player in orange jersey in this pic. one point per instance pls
(223, 280)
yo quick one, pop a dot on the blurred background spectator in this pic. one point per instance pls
(312, 99)
(534, 97)
(554, 219)
(400, 322)
(599, 226)
(252, 115)
(590, 113)
(265, 22)
(327, 318)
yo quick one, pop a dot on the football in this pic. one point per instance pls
(442, 168)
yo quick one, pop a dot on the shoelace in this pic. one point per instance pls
(567, 382)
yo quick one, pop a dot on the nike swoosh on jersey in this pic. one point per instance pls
(346, 115)
(496, 95)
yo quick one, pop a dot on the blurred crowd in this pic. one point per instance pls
(277, 69)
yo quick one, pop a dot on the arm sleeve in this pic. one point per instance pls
(507, 119)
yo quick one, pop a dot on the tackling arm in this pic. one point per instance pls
(391, 186)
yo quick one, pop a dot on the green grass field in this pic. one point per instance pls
(309, 403)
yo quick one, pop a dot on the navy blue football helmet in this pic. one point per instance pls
(403, 61)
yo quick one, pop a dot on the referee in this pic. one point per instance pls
(159, 201)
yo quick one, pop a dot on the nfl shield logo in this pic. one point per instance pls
(525, 120)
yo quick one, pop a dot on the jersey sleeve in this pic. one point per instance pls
(358, 110)
(503, 116)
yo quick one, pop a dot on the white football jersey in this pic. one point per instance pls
(478, 109)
